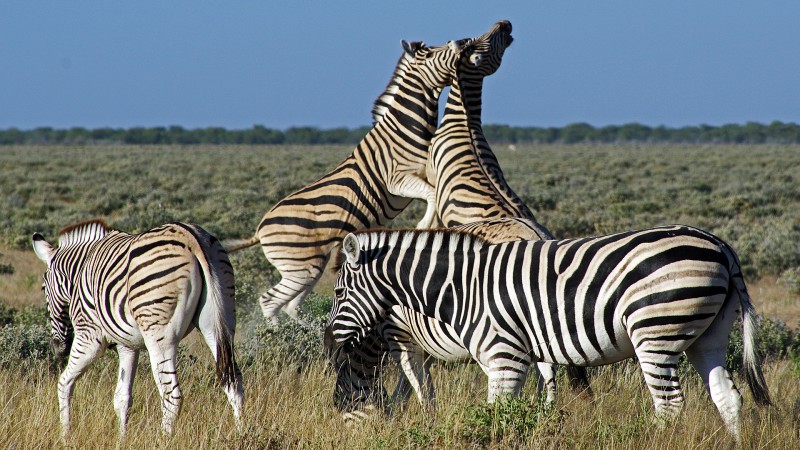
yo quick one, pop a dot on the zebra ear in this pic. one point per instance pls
(455, 46)
(43, 249)
(411, 47)
(351, 249)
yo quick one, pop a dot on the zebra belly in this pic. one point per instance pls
(433, 336)
(560, 346)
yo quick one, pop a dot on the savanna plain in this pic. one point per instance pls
(747, 195)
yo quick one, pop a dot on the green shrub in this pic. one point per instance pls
(509, 420)
(775, 341)
(7, 314)
(6, 269)
(289, 344)
(32, 315)
(21, 345)
(791, 278)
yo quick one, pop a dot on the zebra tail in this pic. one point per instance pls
(232, 245)
(752, 362)
(227, 372)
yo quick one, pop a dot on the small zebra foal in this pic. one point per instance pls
(109, 288)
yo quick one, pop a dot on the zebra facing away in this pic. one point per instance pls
(372, 186)
(413, 340)
(655, 294)
(108, 288)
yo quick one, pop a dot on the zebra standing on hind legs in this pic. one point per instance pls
(372, 186)
(471, 194)
(655, 294)
(109, 288)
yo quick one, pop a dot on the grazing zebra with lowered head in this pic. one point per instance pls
(108, 288)
(372, 186)
(655, 294)
(413, 340)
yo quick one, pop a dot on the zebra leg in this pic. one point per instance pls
(547, 381)
(412, 186)
(85, 348)
(128, 360)
(707, 355)
(506, 379)
(290, 293)
(411, 360)
(661, 375)
(162, 362)
(711, 367)
(286, 291)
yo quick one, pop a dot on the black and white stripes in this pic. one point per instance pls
(656, 294)
(105, 287)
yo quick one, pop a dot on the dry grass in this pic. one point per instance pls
(24, 286)
(774, 301)
(293, 409)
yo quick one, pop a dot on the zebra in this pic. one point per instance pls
(470, 185)
(107, 288)
(372, 186)
(414, 340)
(655, 293)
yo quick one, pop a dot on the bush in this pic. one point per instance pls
(289, 344)
(6, 269)
(791, 278)
(23, 345)
(508, 420)
(775, 341)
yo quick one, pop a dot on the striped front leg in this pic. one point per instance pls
(85, 348)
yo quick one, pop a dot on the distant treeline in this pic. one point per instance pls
(749, 133)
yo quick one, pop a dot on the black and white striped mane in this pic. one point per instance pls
(82, 232)
(386, 98)
(408, 237)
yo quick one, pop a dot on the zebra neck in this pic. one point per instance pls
(443, 286)
(464, 104)
(413, 114)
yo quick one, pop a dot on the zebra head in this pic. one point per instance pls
(57, 288)
(359, 389)
(440, 65)
(481, 56)
(63, 263)
(359, 301)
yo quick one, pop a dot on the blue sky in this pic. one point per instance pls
(280, 64)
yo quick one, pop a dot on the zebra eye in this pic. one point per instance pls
(339, 292)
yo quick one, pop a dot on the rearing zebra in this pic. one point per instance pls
(109, 288)
(371, 187)
(655, 294)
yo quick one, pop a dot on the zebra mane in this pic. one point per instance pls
(82, 232)
(414, 236)
(386, 98)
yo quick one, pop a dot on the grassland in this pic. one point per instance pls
(748, 195)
